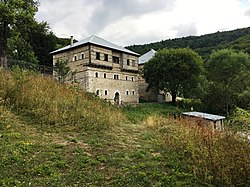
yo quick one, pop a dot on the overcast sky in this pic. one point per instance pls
(128, 22)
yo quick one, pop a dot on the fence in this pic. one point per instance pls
(46, 70)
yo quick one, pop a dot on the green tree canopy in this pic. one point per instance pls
(43, 41)
(15, 15)
(176, 71)
(228, 73)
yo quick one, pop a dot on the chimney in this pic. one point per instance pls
(71, 41)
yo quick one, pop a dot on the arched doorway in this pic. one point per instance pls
(117, 98)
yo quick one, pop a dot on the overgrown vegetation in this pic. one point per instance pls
(52, 103)
(55, 135)
(214, 158)
(240, 120)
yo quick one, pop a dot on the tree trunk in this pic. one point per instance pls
(174, 95)
(3, 45)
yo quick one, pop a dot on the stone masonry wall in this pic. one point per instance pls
(126, 85)
(104, 82)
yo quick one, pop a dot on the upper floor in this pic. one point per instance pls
(99, 53)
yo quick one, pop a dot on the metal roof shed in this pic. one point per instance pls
(204, 119)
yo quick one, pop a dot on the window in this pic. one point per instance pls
(97, 92)
(98, 56)
(132, 78)
(116, 77)
(104, 75)
(115, 59)
(133, 62)
(106, 92)
(75, 58)
(82, 55)
(128, 62)
(106, 57)
(127, 92)
(126, 78)
(96, 74)
(133, 92)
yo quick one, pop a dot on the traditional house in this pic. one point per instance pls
(150, 95)
(106, 69)
(210, 121)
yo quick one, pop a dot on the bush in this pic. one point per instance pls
(240, 119)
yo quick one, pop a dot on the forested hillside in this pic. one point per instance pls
(238, 39)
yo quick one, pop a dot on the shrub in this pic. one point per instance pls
(240, 119)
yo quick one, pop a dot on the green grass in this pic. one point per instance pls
(157, 152)
(135, 146)
(128, 155)
(144, 110)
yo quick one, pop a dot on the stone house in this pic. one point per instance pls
(150, 95)
(214, 122)
(106, 69)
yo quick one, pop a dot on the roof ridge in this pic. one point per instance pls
(99, 41)
(91, 38)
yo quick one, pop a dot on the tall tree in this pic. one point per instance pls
(43, 41)
(174, 70)
(228, 73)
(14, 14)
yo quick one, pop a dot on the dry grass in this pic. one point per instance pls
(218, 158)
(53, 103)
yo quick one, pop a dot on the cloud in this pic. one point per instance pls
(185, 29)
(128, 22)
(66, 18)
(109, 11)
(247, 13)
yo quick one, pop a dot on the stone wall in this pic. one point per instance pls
(126, 85)
(102, 76)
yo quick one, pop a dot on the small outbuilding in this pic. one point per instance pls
(214, 122)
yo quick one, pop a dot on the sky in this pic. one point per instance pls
(128, 22)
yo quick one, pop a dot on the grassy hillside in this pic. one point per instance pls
(55, 135)
(203, 45)
(51, 103)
